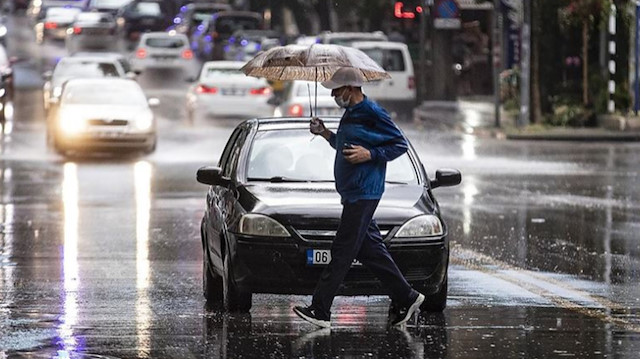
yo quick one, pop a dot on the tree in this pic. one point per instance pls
(583, 13)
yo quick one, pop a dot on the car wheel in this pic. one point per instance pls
(234, 299)
(212, 286)
(436, 302)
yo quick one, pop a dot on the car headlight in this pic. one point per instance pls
(3, 30)
(422, 226)
(261, 225)
(71, 123)
(144, 121)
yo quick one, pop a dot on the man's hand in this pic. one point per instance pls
(317, 126)
(357, 154)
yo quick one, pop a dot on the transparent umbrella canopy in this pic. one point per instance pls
(317, 62)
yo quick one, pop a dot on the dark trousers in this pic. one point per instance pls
(359, 237)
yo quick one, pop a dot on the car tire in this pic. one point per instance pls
(234, 299)
(437, 302)
(212, 286)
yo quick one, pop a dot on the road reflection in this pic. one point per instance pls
(142, 180)
(68, 343)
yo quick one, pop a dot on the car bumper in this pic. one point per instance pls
(107, 141)
(93, 41)
(281, 268)
(246, 106)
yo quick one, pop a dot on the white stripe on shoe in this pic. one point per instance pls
(319, 322)
(415, 306)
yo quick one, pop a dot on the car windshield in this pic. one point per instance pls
(165, 42)
(390, 60)
(93, 18)
(109, 4)
(148, 8)
(86, 69)
(216, 71)
(289, 154)
(62, 13)
(103, 94)
(227, 25)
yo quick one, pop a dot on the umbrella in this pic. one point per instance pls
(317, 62)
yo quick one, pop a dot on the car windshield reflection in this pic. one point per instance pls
(291, 156)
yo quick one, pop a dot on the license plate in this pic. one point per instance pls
(323, 257)
(233, 92)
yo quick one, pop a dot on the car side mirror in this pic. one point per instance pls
(273, 101)
(47, 75)
(131, 75)
(154, 102)
(137, 72)
(446, 178)
(212, 176)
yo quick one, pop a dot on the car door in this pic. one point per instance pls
(220, 199)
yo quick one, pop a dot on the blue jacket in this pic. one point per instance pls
(368, 125)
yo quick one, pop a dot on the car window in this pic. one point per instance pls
(227, 25)
(147, 8)
(390, 60)
(235, 154)
(215, 72)
(104, 94)
(86, 69)
(224, 158)
(165, 42)
(108, 4)
(289, 153)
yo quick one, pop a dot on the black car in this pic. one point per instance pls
(272, 212)
(192, 15)
(143, 16)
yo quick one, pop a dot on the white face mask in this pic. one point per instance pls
(342, 102)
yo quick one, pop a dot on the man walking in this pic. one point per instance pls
(365, 141)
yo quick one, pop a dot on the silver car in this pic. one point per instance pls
(91, 30)
(102, 114)
(78, 67)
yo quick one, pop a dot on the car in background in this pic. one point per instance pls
(37, 9)
(193, 14)
(103, 115)
(243, 45)
(108, 6)
(55, 22)
(161, 50)
(6, 82)
(210, 38)
(347, 38)
(72, 67)
(116, 56)
(397, 94)
(272, 212)
(223, 90)
(306, 40)
(91, 30)
(140, 16)
(299, 98)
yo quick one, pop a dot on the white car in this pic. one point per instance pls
(102, 114)
(162, 50)
(79, 67)
(299, 98)
(397, 94)
(222, 90)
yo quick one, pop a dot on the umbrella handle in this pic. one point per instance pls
(309, 93)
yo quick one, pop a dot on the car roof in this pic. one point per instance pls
(108, 55)
(99, 81)
(290, 123)
(162, 34)
(380, 44)
(373, 35)
(81, 58)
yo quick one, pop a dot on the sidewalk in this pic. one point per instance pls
(476, 116)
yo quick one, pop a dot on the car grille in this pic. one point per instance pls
(107, 122)
(330, 234)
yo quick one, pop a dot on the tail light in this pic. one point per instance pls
(141, 53)
(187, 54)
(260, 91)
(295, 110)
(206, 89)
(50, 25)
(77, 30)
(411, 83)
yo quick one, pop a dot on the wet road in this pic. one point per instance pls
(101, 257)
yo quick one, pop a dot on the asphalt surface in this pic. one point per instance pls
(100, 257)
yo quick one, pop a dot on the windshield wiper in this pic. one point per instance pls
(276, 179)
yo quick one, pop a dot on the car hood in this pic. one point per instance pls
(318, 204)
(106, 111)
